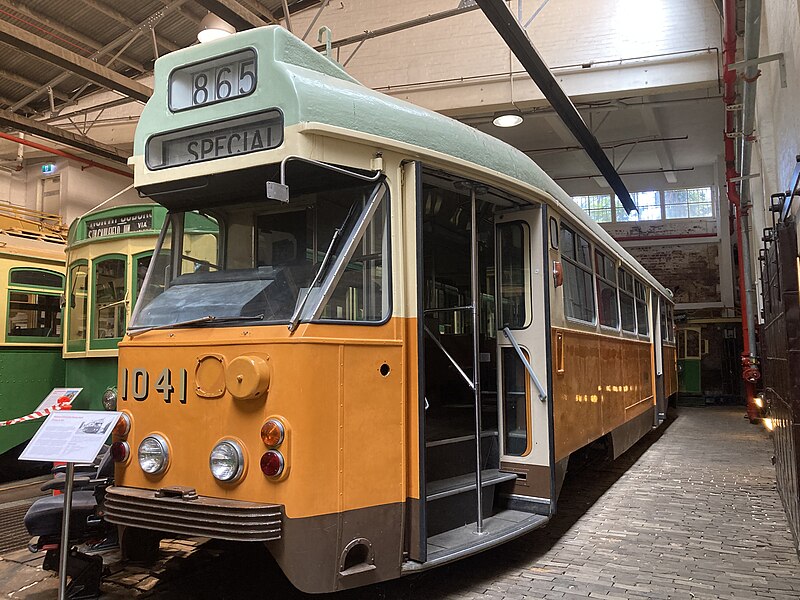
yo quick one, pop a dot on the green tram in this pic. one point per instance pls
(31, 280)
(108, 252)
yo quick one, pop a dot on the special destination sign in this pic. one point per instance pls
(242, 135)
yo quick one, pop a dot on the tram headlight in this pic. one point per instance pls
(226, 461)
(153, 454)
(109, 399)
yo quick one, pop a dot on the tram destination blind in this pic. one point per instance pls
(119, 225)
(243, 135)
(212, 81)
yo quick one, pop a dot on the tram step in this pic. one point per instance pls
(454, 456)
(464, 483)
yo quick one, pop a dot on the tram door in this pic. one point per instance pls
(486, 431)
(525, 409)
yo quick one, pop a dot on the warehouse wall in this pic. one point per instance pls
(612, 51)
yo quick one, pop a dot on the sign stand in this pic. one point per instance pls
(69, 436)
(62, 559)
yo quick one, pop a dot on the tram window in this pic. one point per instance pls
(514, 275)
(76, 299)
(553, 233)
(515, 404)
(141, 264)
(257, 260)
(578, 279)
(33, 315)
(606, 291)
(362, 292)
(626, 302)
(37, 278)
(109, 299)
(664, 333)
(642, 323)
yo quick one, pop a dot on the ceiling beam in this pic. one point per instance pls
(662, 151)
(56, 134)
(517, 40)
(233, 12)
(61, 57)
(24, 81)
(65, 30)
(128, 22)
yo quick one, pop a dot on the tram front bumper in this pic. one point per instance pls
(182, 512)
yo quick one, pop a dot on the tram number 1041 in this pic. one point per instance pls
(213, 81)
(136, 385)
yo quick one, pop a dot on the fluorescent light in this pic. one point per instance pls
(213, 28)
(507, 119)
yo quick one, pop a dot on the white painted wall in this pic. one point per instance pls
(587, 38)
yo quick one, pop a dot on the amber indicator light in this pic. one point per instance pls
(123, 426)
(272, 433)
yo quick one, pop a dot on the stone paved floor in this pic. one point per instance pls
(690, 512)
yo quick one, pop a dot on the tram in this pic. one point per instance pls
(397, 334)
(108, 252)
(31, 280)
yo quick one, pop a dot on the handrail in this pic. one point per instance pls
(450, 358)
(526, 363)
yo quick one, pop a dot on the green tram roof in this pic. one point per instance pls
(309, 88)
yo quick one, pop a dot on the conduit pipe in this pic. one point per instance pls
(750, 372)
(67, 155)
(752, 40)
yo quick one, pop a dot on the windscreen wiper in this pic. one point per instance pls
(187, 323)
(293, 321)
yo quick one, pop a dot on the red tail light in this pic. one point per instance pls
(272, 463)
(120, 451)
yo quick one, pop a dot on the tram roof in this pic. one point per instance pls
(19, 244)
(310, 88)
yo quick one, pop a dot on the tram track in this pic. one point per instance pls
(15, 499)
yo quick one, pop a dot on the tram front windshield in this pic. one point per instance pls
(323, 256)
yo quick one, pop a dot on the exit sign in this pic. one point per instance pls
(48, 168)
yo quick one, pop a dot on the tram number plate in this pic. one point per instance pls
(211, 81)
(136, 384)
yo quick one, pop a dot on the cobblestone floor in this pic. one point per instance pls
(690, 512)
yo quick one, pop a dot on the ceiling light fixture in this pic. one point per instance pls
(213, 28)
(507, 118)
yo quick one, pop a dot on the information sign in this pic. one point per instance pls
(73, 436)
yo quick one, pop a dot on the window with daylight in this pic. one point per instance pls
(578, 288)
(606, 291)
(688, 204)
(649, 204)
(597, 207)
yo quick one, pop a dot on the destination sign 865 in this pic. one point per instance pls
(241, 135)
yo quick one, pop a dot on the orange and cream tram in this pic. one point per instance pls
(393, 336)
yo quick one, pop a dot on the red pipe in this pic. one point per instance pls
(749, 370)
(68, 155)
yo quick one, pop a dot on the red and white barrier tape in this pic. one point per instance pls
(63, 403)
